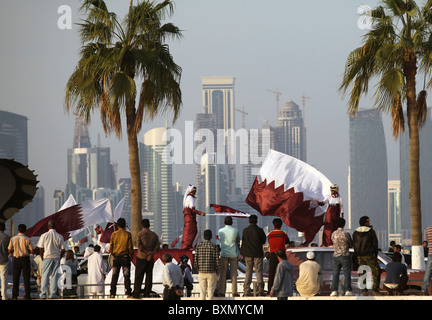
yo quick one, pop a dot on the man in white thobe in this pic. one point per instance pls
(96, 272)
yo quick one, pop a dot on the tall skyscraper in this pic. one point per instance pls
(367, 171)
(13, 137)
(425, 175)
(218, 98)
(204, 123)
(291, 133)
(14, 145)
(214, 185)
(157, 185)
(89, 166)
(260, 142)
(91, 175)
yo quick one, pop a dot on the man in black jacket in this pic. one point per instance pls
(253, 239)
(366, 250)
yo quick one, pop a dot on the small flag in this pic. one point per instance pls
(73, 218)
(221, 210)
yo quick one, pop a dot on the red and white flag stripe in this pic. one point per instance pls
(73, 218)
(227, 211)
(290, 188)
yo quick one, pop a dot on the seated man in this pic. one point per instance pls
(396, 275)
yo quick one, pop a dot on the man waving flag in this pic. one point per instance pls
(291, 189)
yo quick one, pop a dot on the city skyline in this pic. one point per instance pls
(281, 53)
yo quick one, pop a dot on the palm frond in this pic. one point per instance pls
(398, 120)
(114, 53)
(122, 90)
(422, 108)
(391, 84)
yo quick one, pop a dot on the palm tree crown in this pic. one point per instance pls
(397, 47)
(126, 67)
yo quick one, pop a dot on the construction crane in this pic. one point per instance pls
(277, 93)
(243, 116)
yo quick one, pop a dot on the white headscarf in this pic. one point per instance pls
(189, 202)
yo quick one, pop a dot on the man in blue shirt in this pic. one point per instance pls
(229, 243)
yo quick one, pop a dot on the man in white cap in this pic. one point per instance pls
(309, 281)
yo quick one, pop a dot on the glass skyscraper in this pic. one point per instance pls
(157, 186)
(13, 137)
(89, 167)
(290, 131)
(368, 177)
(218, 98)
(14, 145)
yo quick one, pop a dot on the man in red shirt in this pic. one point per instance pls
(277, 239)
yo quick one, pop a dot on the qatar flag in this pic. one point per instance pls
(291, 189)
(73, 218)
(221, 210)
(112, 225)
(69, 203)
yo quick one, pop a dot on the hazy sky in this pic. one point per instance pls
(296, 47)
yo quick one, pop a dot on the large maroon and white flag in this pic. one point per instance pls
(290, 188)
(221, 210)
(74, 218)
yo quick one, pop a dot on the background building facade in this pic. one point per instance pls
(157, 186)
(368, 177)
(291, 133)
(14, 145)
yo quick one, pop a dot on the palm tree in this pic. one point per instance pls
(398, 45)
(125, 67)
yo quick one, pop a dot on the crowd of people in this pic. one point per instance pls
(215, 263)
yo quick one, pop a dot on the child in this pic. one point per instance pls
(283, 282)
(187, 274)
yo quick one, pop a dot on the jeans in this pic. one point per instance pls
(427, 275)
(143, 266)
(170, 294)
(49, 268)
(342, 262)
(123, 262)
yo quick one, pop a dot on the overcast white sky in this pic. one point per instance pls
(296, 47)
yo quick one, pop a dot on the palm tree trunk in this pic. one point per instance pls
(134, 168)
(410, 70)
